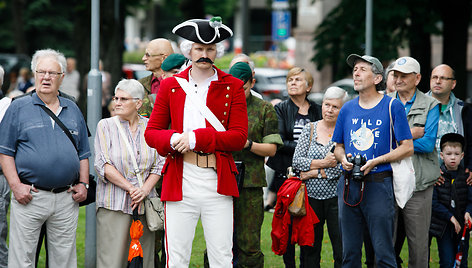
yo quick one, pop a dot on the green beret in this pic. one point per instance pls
(173, 61)
(241, 70)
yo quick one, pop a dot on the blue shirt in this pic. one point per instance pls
(426, 143)
(43, 154)
(367, 131)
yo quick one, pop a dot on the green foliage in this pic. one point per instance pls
(343, 32)
(224, 9)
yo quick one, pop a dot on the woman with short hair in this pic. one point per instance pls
(293, 114)
(118, 191)
(315, 160)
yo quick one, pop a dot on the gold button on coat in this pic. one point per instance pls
(227, 96)
(227, 88)
(173, 90)
(226, 104)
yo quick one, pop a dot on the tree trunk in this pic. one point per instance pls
(420, 42)
(17, 8)
(456, 16)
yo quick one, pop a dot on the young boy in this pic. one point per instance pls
(452, 202)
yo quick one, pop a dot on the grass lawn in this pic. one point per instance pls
(271, 260)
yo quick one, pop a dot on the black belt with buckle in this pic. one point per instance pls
(378, 177)
(52, 190)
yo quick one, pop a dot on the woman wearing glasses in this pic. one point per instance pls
(118, 191)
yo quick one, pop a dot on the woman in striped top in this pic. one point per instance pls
(118, 191)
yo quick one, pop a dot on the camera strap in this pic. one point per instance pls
(346, 195)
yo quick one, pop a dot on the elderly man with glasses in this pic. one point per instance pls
(156, 52)
(47, 172)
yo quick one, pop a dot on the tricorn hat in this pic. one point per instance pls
(203, 31)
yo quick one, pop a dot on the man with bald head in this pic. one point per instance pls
(442, 83)
(156, 52)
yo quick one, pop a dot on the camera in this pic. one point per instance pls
(358, 161)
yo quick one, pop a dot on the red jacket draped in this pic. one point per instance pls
(303, 229)
(227, 101)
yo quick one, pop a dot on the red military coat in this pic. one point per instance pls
(227, 101)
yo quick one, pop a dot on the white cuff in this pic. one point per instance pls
(174, 137)
(192, 140)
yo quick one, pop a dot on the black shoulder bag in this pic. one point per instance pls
(92, 183)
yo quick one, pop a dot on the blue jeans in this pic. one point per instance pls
(448, 246)
(376, 211)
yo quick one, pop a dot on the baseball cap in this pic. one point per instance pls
(407, 65)
(452, 137)
(351, 59)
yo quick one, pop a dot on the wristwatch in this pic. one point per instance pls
(85, 184)
(319, 174)
(249, 145)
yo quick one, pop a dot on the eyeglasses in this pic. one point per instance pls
(123, 99)
(147, 55)
(42, 73)
(441, 78)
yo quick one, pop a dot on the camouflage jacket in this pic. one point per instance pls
(148, 103)
(262, 128)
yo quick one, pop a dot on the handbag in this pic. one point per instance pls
(297, 207)
(92, 189)
(153, 207)
(403, 172)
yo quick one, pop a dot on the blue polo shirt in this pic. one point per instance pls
(43, 154)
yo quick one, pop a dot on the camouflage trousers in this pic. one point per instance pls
(248, 218)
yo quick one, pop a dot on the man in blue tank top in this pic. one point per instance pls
(363, 129)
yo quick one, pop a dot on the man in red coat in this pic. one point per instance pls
(199, 173)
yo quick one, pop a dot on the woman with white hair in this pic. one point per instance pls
(118, 190)
(319, 169)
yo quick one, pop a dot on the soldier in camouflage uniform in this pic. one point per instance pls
(263, 140)
(156, 52)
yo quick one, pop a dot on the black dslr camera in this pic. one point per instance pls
(358, 161)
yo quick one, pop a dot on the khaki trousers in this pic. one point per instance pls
(61, 214)
(113, 239)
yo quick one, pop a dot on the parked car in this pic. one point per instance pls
(271, 83)
(134, 71)
(346, 84)
(12, 63)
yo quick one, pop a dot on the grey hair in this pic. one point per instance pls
(2, 73)
(48, 53)
(335, 93)
(242, 58)
(186, 46)
(132, 87)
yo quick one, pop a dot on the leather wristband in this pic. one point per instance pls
(250, 145)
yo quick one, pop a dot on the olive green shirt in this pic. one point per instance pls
(262, 128)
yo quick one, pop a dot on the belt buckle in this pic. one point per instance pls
(203, 157)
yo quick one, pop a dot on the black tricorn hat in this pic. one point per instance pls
(203, 31)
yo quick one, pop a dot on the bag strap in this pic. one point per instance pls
(392, 131)
(130, 150)
(312, 129)
(204, 110)
(60, 124)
